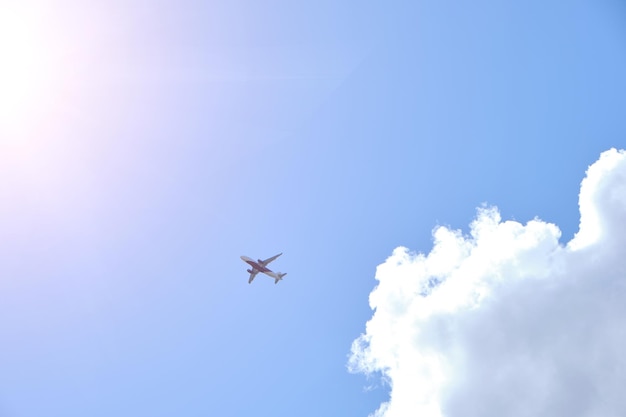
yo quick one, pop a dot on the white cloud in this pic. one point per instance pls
(506, 321)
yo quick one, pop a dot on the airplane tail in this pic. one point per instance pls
(280, 276)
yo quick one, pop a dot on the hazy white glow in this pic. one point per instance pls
(26, 69)
(506, 321)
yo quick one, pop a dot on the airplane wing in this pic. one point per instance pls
(252, 275)
(268, 260)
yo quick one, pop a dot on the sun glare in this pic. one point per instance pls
(25, 71)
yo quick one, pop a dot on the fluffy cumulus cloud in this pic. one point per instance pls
(507, 321)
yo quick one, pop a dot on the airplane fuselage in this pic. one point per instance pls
(257, 266)
(254, 264)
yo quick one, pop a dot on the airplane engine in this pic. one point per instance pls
(249, 271)
(260, 262)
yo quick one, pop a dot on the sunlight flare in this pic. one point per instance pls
(28, 72)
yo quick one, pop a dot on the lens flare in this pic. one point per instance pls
(26, 71)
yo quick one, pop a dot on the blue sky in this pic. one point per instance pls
(145, 146)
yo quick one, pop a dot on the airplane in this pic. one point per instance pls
(261, 266)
